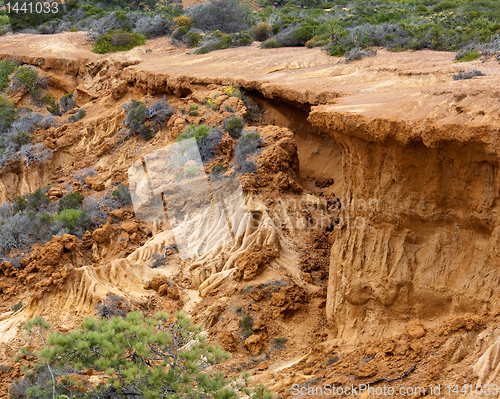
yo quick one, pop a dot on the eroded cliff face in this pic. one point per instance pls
(420, 211)
(16, 179)
(410, 155)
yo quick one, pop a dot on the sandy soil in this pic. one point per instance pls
(415, 286)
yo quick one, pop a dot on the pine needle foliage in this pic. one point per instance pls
(161, 357)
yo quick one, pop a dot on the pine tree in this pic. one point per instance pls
(137, 356)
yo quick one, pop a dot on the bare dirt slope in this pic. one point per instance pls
(409, 275)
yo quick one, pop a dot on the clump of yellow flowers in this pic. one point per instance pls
(211, 102)
(230, 91)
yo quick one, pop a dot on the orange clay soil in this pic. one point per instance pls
(399, 162)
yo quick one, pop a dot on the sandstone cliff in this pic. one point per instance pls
(409, 155)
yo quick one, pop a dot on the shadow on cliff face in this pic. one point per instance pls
(320, 156)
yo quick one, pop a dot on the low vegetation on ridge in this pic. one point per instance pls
(340, 26)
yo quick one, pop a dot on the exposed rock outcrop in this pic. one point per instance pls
(419, 236)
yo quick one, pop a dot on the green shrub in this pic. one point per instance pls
(248, 138)
(202, 50)
(422, 8)
(301, 34)
(193, 131)
(136, 120)
(76, 117)
(133, 5)
(121, 195)
(234, 126)
(4, 24)
(246, 323)
(19, 204)
(48, 98)
(317, 41)
(34, 201)
(92, 11)
(71, 201)
(45, 219)
(54, 108)
(217, 171)
(262, 31)
(191, 171)
(17, 306)
(6, 69)
(34, 20)
(67, 102)
(193, 110)
(337, 50)
(37, 199)
(21, 138)
(400, 25)
(28, 78)
(121, 39)
(467, 75)
(118, 41)
(270, 43)
(218, 41)
(7, 113)
(469, 56)
(30, 219)
(69, 218)
(160, 357)
(180, 32)
(443, 6)
(242, 39)
(193, 39)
